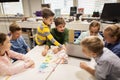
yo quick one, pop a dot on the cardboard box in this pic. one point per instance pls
(71, 36)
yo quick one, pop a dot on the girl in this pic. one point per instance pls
(6, 66)
(112, 38)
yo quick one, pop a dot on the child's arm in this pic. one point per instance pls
(56, 43)
(12, 69)
(44, 52)
(84, 66)
(19, 56)
(13, 54)
(51, 38)
(25, 44)
(78, 40)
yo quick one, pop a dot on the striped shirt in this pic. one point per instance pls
(43, 34)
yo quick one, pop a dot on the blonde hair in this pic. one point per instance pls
(94, 24)
(93, 44)
(113, 31)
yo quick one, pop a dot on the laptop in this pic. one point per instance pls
(75, 51)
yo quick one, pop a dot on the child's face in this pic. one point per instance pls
(6, 45)
(60, 28)
(16, 34)
(88, 53)
(94, 31)
(48, 20)
(108, 38)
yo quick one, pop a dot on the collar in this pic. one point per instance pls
(45, 25)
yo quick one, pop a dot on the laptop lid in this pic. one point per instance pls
(75, 50)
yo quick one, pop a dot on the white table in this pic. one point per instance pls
(62, 71)
(69, 72)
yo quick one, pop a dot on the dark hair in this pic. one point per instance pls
(113, 31)
(2, 38)
(59, 21)
(94, 24)
(47, 13)
(93, 44)
(14, 27)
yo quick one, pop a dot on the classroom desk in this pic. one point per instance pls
(62, 71)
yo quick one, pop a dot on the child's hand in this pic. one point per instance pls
(44, 52)
(29, 64)
(83, 65)
(64, 47)
(32, 64)
(55, 50)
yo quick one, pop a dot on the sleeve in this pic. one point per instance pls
(79, 38)
(13, 54)
(24, 43)
(117, 51)
(12, 69)
(17, 67)
(51, 38)
(66, 36)
(49, 43)
(102, 70)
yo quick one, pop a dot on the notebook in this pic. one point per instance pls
(75, 51)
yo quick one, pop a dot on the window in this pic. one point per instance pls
(93, 5)
(64, 5)
(13, 7)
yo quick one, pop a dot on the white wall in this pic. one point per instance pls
(30, 6)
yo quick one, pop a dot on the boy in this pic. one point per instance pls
(60, 33)
(43, 31)
(18, 43)
(112, 38)
(94, 28)
(108, 64)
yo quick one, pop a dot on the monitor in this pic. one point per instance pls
(111, 12)
(45, 5)
(57, 12)
(73, 10)
(9, 0)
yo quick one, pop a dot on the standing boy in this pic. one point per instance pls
(60, 33)
(43, 31)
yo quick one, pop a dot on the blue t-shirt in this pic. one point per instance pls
(115, 48)
(19, 45)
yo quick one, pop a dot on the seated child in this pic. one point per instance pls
(6, 66)
(112, 38)
(108, 64)
(18, 43)
(43, 31)
(94, 28)
(60, 33)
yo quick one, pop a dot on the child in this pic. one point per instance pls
(6, 66)
(112, 38)
(108, 64)
(43, 31)
(18, 43)
(60, 33)
(94, 28)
